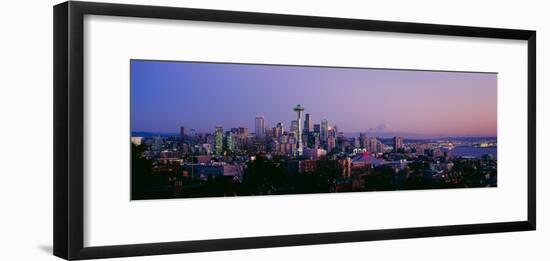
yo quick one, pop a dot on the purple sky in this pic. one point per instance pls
(166, 95)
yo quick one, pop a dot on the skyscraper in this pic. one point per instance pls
(331, 143)
(316, 128)
(300, 146)
(308, 123)
(210, 139)
(218, 139)
(157, 144)
(229, 141)
(356, 142)
(182, 132)
(242, 137)
(397, 143)
(269, 133)
(379, 147)
(243, 131)
(324, 130)
(278, 131)
(281, 127)
(363, 140)
(373, 145)
(259, 127)
(334, 131)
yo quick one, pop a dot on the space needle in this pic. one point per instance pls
(299, 109)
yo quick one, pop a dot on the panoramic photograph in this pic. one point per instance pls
(205, 129)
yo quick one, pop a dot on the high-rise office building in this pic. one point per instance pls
(284, 138)
(379, 147)
(278, 131)
(210, 139)
(243, 131)
(397, 143)
(269, 133)
(182, 132)
(324, 130)
(259, 127)
(316, 141)
(276, 135)
(317, 128)
(363, 140)
(333, 131)
(355, 142)
(229, 141)
(331, 143)
(308, 123)
(373, 145)
(157, 144)
(218, 139)
(241, 138)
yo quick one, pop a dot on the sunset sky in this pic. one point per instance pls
(166, 95)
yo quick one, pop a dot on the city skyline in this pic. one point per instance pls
(201, 96)
(273, 130)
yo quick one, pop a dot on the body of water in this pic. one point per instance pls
(474, 151)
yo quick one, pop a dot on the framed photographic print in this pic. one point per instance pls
(183, 130)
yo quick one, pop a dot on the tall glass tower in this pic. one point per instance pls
(259, 127)
(299, 110)
(218, 139)
(324, 130)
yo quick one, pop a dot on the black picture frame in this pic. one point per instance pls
(69, 129)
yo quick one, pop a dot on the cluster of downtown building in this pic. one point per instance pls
(303, 139)
(306, 139)
(304, 147)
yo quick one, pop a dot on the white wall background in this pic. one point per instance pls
(26, 129)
